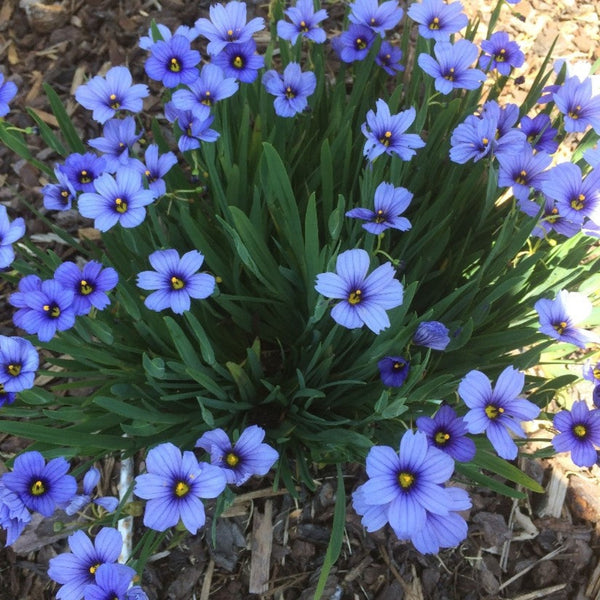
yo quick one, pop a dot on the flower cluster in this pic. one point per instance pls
(400, 197)
(45, 307)
(405, 489)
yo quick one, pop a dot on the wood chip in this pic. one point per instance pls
(262, 544)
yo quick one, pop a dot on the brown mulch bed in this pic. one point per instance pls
(543, 547)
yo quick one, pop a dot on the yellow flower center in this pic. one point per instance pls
(574, 112)
(230, 34)
(84, 177)
(380, 218)
(93, 568)
(14, 370)
(580, 430)
(289, 93)
(579, 202)
(435, 23)
(231, 459)
(53, 310)
(493, 412)
(181, 489)
(120, 205)
(85, 288)
(360, 44)
(398, 365)
(386, 139)
(405, 480)
(501, 55)
(177, 283)
(355, 297)
(37, 488)
(485, 141)
(441, 438)
(560, 327)
(522, 177)
(114, 103)
(238, 62)
(596, 373)
(303, 26)
(174, 65)
(450, 74)
(207, 100)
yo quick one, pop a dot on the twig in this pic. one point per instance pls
(541, 593)
(527, 569)
(204, 593)
(125, 525)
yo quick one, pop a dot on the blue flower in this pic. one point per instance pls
(304, 22)
(175, 280)
(18, 363)
(363, 299)
(379, 17)
(89, 286)
(146, 42)
(438, 20)
(173, 486)
(389, 203)
(596, 395)
(119, 138)
(240, 61)
(193, 130)
(540, 133)
(79, 502)
(472, 139)
(77, 569)
(559, 317)
(10, 232)
(8, 90)
(576, 197)
(211, 87)
(157, 166)
(431, 334)
(403, 487)
(227, 24)
(385, 133)
(173, 62)
(353, 44)
(82, 170)
(550, 220)
(523, 170)
(495, 411)
(40, 486)
(580, 108)
(6, 397)
(501, 54)
(46, 310)
(14, 515)
(248, 456)
(451, 66)
(59, 196)
(291, 90)
(388, 58)
(448, 432)
(107, 95)
(393, 370)
(579, 433)
(591, 371)
(111, 582)
(116, 200)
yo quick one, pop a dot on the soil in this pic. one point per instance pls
(268, 544)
